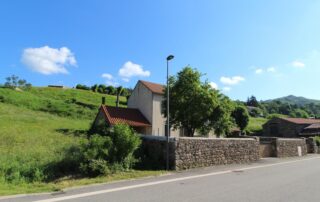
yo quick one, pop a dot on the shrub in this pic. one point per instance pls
(317, 139)
(110, 151)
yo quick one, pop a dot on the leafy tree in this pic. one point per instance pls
(241, 116)
(299, 113)
(82, 87)
(94, 88)
(102, 88)
(14, 82)
(252, 101)
(221, 120)
(111, 90)
(193, 103)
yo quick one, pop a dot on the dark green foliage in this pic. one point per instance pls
(299, 113)
(82, 87)
(110, 151)
(252, 101)
(241, 116)
(194, 105)
(111, 90)
(14, 82)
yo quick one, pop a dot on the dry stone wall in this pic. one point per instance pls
(188, 153)
(291, 147)
(202, 152)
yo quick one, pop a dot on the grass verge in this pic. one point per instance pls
(27, 188)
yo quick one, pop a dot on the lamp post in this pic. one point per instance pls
(170, 57)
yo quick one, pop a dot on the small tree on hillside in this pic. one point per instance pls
(111, 90)
(252, 101)
(94, 88)
(241, 116)
(14, 82)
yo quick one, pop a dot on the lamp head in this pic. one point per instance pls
(170, 57)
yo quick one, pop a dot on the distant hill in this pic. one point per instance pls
(298, 100)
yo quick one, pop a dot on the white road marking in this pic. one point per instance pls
(166, 181)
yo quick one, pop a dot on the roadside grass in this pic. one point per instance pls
(25, 188)
(255, 124)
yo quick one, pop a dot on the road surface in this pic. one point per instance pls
(276, 180)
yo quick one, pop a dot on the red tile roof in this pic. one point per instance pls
(153, 87)
(313, 126)
(132, 117)
(302, 121)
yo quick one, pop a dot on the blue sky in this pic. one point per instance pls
(264, 48)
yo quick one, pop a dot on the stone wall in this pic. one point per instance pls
(202, 152)
(311, 146)
(188, 153)
(291, 147)
(153, 152)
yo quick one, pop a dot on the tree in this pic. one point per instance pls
(110, 90)
(14, 82)
(82, 87)
(221, 120)
(299, 113)
(252, 101)
(102, 88)
(94, 88)
(192, 102)
(241, 116)
(119, 91)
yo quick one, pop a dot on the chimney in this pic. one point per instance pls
(103, 101)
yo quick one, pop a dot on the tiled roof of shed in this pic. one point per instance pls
(132, 117)
(302, 121)
(313, 126)
(154, 87)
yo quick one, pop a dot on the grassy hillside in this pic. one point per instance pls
(37, 126)
(71, 103)
(255, 124)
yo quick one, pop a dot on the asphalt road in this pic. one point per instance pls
(275, 180)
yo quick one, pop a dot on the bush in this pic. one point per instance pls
(110, 151)
(317, 139)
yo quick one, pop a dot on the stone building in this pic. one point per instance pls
(291, 127)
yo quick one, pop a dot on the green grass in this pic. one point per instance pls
(25, 188)
(255, 124)
(80, 104)
(36, 126)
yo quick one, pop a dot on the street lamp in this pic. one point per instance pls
(170, 57)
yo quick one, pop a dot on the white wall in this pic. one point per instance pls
(141, 98)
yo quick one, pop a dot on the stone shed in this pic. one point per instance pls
(291, 127)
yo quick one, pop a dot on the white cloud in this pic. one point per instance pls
(259, 71)
(46, 60)
(298, 64)
(107, 76)
(231, 80)
(213, 85)
(110, 80)
(129, 69)
(226, 89)
(271, 69)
